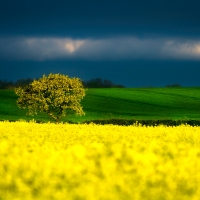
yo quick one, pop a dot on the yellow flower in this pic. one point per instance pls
(67, 161)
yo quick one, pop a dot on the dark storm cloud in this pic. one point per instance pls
(91, 18)
(129, 29)
(131, 42)
(130, 48)
(37, 48)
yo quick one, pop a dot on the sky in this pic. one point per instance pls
(134, 43)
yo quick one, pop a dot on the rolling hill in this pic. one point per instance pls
(124, 103)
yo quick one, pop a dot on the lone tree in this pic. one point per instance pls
(55, 94)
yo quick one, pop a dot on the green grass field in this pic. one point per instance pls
(137, 103)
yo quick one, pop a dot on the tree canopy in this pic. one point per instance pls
(55, 94)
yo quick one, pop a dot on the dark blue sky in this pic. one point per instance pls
(134, 43)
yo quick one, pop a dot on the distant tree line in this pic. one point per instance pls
(173, 85)
(4, 84)
(101, 83)
(93, 83)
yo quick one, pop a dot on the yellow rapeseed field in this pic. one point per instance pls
(98, 162)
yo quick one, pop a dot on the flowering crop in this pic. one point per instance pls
(65, 162)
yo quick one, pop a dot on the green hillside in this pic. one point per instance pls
(127, 103)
